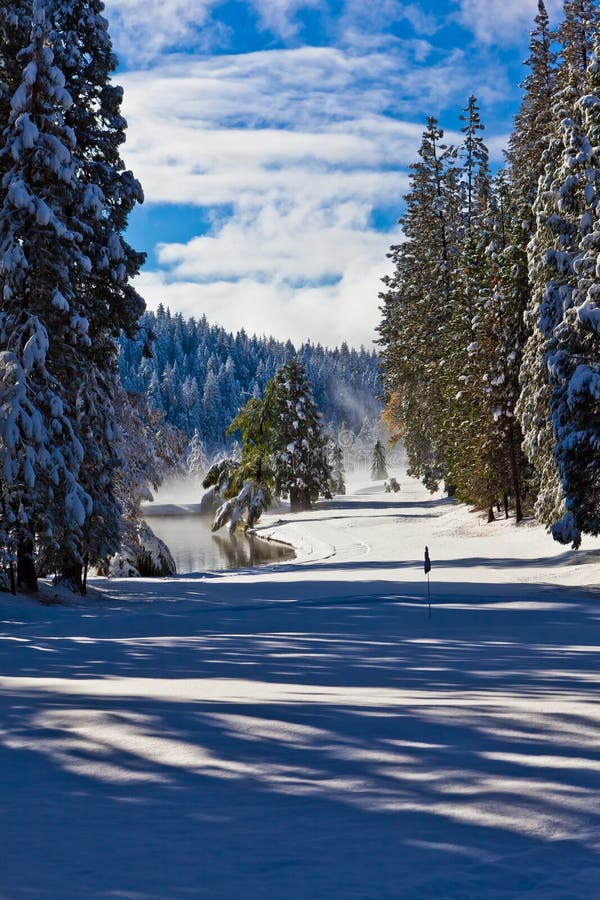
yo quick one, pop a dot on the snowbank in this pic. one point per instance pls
(141, 553)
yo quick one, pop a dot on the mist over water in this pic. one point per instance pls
(182, 491)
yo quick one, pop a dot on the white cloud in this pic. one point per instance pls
(502, 21)
(286, 245)
(279, 258)
(299, 146)
(311, 122)
(297, 143)
(345, 311)
(422, 22)
(380, 14)
(141, 31)
(278, 15)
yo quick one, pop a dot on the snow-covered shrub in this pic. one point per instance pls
(141, 554)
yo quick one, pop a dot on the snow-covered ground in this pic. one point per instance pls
(305, 730)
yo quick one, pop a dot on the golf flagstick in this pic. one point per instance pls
(427, 567)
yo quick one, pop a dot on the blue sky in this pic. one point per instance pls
(273, 139)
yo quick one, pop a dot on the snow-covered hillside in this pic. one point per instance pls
(305, 730)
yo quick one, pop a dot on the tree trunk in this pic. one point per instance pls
(491, 517)
(26, 574)
(514, 469)
(11, 575)
(86, 563)
(299, 500)
(505, 502)
(72, 572)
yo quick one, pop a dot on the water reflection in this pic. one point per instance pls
(241, 550)
(196, 549)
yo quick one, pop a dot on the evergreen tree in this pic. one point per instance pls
(563, 217)
(109, 190)
(498, 338)
(576, 35)
(196, 463)
(534, 122)
(379, 470)
(529, 152)
(150, 449)
(258, 425)
(467, 424)
(475, 172)
(573, 351)
(211, 406)
(65, 203)
(301, 468)
(337, 484)
(43, 327)
(247, 484)
(418, 302)
(190, 400)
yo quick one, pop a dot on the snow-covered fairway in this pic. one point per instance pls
(305, 730)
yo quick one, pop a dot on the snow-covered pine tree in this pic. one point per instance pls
(471, 458)
(528, 154)
(109, 190)
(498, 338)
(229, 387)
(337, 484)
(379, 470)
(475, 169)
(576, 35)
(211, 406)
(552, 280)
(573, 356)
(302, 470)
(190, 398)
(196, 461)
(84, 309)
(150, 449)
(104, 454)
(533, 124)
(247, 484)
(42, 328)
(417, 305)
(467, 422)
(563, 217)
(108, 193)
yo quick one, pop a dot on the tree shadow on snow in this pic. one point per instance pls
(345, 747)
(389, 503)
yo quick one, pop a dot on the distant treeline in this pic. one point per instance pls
(200, 374)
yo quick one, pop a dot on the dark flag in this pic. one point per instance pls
(427, 564)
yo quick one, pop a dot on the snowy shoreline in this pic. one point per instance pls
(370, 530)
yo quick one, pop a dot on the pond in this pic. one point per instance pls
(196, 549)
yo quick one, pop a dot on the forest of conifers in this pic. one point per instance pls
(490, 329)
(200, 375)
